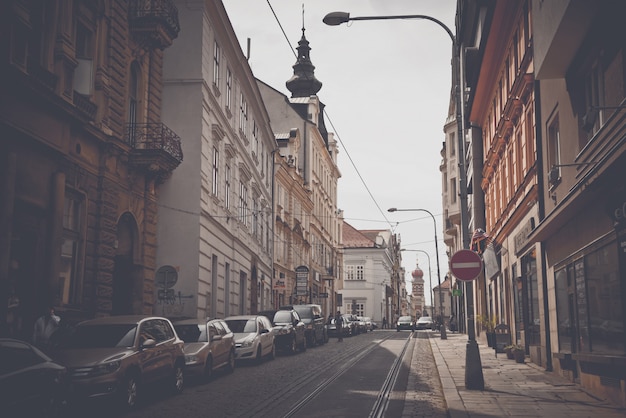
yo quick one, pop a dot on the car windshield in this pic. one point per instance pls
(425, 319)
(304, 312)
(282, 317)
(405, 319)
(102, 336)
(192, 333)
(239, 326)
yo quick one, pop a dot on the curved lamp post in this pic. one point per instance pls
(443, 334)
(473, 367)
(430, 280)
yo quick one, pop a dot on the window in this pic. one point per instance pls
(71, 250)
(255, 217)
(243, 203)
(243, 116)
(594, 85)
(227, 187)
(255, 137)
(350, 272)
(229, 88)
(216, 64)
(360, 273)
(216, 162)
(83, 73)
(554, 152)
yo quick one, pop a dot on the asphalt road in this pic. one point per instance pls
(363, 376)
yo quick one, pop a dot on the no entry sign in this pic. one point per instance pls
(466, 265)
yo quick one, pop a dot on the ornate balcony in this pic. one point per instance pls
(154, 23)
(156, 148)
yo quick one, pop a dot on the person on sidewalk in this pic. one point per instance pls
(384, 322)
(45, 326)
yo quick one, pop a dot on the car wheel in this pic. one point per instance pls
(178, 378)
(303, 345)
(272, 354)
(259, 355)
(293, 347)
(130, 393)
(208, 369)
(230, 366)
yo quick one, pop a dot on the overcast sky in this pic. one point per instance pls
(386, 86)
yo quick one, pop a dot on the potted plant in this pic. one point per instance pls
(488, 323)
(508, 349)
(519, 353)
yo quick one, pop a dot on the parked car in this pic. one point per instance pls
(288, 329)
(254, 339)
(331, 326)
(424, 322)
(354, 324)
(118, 355)
(311, 315)
(369, 325)
(405, 322)
(31, 383)
(209, 346)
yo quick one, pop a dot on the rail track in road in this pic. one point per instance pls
(361, 376)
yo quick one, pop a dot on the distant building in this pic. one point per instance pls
(307, 235)
(368, 271)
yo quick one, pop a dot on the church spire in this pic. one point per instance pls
(303, 82)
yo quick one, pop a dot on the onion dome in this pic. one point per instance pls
(303, 83)
(417, 273)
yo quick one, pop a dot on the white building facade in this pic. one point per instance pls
(215, 213)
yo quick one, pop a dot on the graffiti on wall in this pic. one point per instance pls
(171, 302)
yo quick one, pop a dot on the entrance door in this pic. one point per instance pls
(124, 273)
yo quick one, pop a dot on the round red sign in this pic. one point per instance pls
(466, 265)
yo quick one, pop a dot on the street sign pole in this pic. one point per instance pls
(466, 266)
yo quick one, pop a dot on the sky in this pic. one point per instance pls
(386, 86)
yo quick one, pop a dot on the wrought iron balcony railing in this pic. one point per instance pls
(154, 22)
(154, 143)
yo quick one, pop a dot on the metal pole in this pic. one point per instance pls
(473, 367)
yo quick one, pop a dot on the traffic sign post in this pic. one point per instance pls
(466, 265)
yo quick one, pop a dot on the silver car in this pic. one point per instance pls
(254, 339)
(209, 346)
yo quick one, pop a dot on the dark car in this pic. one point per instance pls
(31, 383)
(117, 355)
(311, 315)
(209, 346)
(405, 322)
(288, 329)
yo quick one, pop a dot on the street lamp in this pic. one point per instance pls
(430, 281)
(473, 368)
(443, 334)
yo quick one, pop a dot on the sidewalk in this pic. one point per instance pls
(511, 389)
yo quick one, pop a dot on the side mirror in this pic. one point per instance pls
(149, 343)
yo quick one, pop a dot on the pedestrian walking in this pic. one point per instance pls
(339, 326)
(384, 322)
(45, 326)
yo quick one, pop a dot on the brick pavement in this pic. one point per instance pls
(511, 389)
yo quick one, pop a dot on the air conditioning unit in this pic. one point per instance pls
(554, 175)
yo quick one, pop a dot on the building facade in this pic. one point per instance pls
(546, 109)
(84, 154)
(581, 121)
(369, 274)
(215, 223)
(309, 240)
